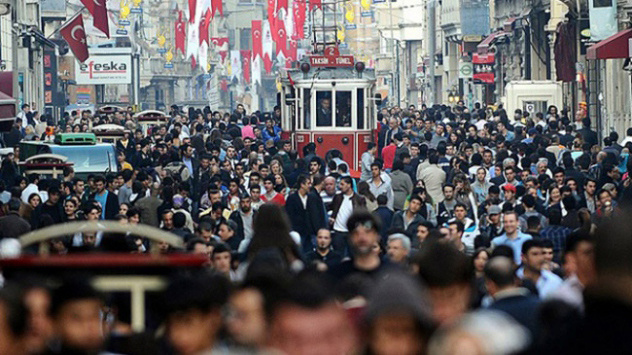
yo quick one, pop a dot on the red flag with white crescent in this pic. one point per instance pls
(267, 63)
(99, 12)
(216, 6)
(272, 10)
(193, 63)
(298, 7)
(257, 50)
(205, 23)
(281, 38)
(293, 51)
(245, 65)
(75, 34)
(180, 33)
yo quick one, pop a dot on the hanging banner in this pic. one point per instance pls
(603, 19)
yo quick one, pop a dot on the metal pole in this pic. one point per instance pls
(399, 99)
(432, 36)
(393, 64)
(15, 19)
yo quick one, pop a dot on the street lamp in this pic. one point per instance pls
(450, 96)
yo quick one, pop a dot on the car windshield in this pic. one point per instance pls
(96, 158)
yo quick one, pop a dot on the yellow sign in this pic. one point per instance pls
(161, 40)
(169, 56)
(125, 10)
(137, 2)
(366, 4)
(350, 14)
(341, 34)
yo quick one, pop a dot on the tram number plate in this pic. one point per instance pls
(327, 61)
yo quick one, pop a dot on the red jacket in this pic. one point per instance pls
(388, 154)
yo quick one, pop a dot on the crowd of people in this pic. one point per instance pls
(464, 231)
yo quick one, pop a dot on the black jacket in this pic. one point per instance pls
(299, 215)
(111, 205)
(13, 226)
(316, 212)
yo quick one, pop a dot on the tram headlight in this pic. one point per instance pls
(359, 67)
(305, 67)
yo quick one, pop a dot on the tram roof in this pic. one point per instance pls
(330, 73)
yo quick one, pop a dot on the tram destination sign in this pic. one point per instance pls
(331, 61)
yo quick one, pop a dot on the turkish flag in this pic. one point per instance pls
(223, 55)
(99, 12)
(75, 34)
(245, 65)
(281, 4)
(193, 63)
(292, 53)
(256, 32)
(180, 33)
(267, 63)
(281, 38)
(298, 8)
(205, 22)
(315, 3)
(216, 6)
(219, 42)
(223, 85)
(272, 11)
(192, 4)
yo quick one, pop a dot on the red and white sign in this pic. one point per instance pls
(484, 65)
(330, 61)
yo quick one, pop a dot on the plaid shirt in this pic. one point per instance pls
(557, 234)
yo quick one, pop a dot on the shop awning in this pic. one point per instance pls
(483, 47)
(613, 47)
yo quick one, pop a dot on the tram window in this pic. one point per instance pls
(343, 108)
(323, 109)
(360, 109)
(306, 109)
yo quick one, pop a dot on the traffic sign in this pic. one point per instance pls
(466, 70)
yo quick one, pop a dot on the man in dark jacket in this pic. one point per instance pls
(385, 215)
(12, 225)
(296, 208)
(244, 218)
(342, 206)
(515, 301)
(108, 200)
(315, 205)
(51, 207)
(410, 218)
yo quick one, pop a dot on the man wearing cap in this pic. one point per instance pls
(493, 226)
(364, 235)
(509, 192)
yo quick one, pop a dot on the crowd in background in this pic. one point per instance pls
(465, 230)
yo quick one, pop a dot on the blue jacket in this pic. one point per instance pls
(266, 135)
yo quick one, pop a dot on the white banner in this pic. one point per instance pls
(104, 69)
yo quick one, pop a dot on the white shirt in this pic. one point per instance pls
(346, 208)
(303, 200)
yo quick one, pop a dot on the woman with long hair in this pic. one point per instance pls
(464, 194)
(365, 190)
(272, 241)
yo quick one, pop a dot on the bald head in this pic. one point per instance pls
(500, 270)
(330, 185)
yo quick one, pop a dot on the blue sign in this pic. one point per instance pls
(162, 50)
(343, 46)
(124, 23)
(121, 32)
(168, 65)
(350, 26)
(366, 13)
(136, 10)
